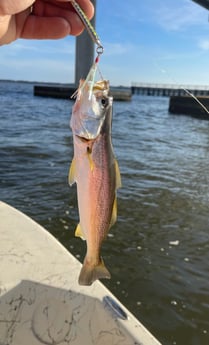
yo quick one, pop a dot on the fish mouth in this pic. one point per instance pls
(84, 139)
(89, 146)
(86, 89)
(90, 86)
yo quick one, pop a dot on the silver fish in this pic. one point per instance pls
(95, 170)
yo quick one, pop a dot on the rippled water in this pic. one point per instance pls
(158, 251)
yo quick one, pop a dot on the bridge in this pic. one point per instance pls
(85, 47)
(204, 3)
(153, 89)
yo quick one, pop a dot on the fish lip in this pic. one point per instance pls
(84, 139)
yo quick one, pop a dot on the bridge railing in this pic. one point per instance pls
(170, 86)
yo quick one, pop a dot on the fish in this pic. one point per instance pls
(95, 170)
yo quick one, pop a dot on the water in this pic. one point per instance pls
(158, 251)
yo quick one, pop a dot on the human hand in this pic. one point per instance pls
(40, 19)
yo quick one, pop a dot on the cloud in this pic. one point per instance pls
(180, 15)
(23, 48)
(116, 48)
(38, 60)
(204, 44)
(40, 70)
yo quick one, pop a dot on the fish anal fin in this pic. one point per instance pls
(117, 174)
(114, 213)
(118, 185)
(79, 233)
(72, 173)
(89, 273)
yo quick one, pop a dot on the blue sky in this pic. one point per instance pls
(157, 41)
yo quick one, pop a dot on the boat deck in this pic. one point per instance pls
(41, 301)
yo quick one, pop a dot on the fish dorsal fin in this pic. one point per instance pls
(79, 233)
(114, 213)
(117, 174)
(72, 173)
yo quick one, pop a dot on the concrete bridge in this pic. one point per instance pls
(85, 51)
(168, 90)
(85, 47)
(204, 3)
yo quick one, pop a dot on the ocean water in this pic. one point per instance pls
(158, 251)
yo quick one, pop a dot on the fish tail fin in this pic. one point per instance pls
(89, 273)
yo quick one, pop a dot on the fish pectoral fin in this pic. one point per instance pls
(72, 173)
(114, 213)
(117, 174)
(89, 273)
(79, 233)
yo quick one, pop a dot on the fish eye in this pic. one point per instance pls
(104, 102)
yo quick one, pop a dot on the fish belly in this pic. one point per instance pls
(96, 194)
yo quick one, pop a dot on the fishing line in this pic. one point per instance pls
(181, 87)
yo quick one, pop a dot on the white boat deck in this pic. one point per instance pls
(41, 301)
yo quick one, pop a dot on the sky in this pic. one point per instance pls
(152, 41)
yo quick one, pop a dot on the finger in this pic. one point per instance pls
(45, 28)
(13, 7)
(65, 10)
(86, 6)
(5, 34)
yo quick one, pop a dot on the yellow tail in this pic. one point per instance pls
(89, 273)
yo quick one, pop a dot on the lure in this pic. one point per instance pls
(89, 27)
